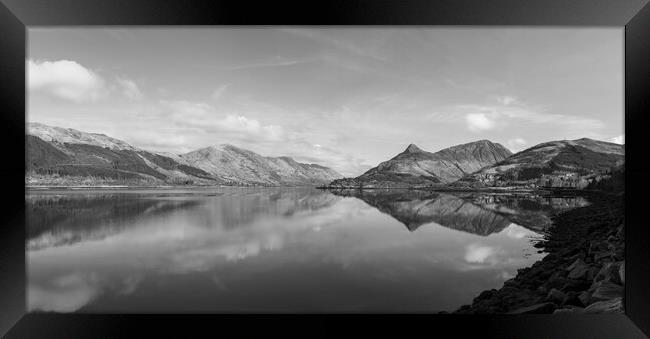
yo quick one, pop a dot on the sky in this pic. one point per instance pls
(345, 97)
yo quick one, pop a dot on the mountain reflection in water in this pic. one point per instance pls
(275, 249)
(477, 213)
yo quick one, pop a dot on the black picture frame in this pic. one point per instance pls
(17, 15)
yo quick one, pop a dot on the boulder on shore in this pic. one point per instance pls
(607, 306)
(578, 270)
(609, 272)
(556, 296)
(606, 290)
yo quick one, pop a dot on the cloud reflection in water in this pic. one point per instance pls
(264, 250)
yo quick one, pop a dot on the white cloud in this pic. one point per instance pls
(479, 122)
(491, 116)
(204, 118)
(240, 123)
(65, 79)
(619, 139)
(130, 89)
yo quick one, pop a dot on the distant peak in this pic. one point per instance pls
(228, 147)
(481, 142)
(413, 149)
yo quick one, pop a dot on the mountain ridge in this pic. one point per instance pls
(228, 162)
(64, 153)
(67, 156)
(415, 166)
(563, 163)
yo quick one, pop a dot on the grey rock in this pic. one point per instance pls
(620, 231)
(609, 272)
(584, 297)
(572, 300)
(543, 308)
(621, 272)
(575, 285)
(578, 270)
(574, 264)
(603, 255)
(591, 273)
(557, 296)
(606, 290)
(555, 282)
(607, 306)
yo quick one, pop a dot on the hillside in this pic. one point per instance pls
(64, 156)
(566, 163)
(415, 167)
(233, 164)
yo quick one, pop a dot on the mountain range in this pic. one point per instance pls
(64, 156)
(415, 167)
(67, 156)
(567, 163)
(233, 165)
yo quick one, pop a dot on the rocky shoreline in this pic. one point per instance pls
(583, 272)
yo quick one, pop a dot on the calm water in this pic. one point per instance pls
(275, 249)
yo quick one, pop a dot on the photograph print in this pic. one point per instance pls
(464, 170)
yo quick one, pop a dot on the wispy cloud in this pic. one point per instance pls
(129, 88)
(322, 36)
(219, 92)
(274, 62)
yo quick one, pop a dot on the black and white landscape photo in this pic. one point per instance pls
(468, 170)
